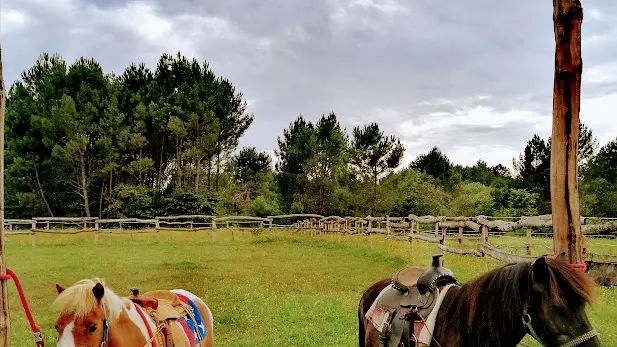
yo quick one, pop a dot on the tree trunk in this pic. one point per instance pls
(218, 170)
(140, 176)
(5, 322)
(160, 173)
(178, 166)
(209, 173)
(101, 200)
(38, 183)
(197, 175)
(84, 188)
(111, 181)
(374, 191)
(567, 237)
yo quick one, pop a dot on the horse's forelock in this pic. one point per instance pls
(79, 300)
(567, 283)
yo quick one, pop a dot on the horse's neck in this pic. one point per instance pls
(487, 322)
(129, 328)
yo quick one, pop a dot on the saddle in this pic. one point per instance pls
(403, 312)
(164, 307)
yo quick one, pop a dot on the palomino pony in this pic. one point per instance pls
(92, 315)
(545, 299)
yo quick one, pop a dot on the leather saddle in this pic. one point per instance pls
(164, 307)
(409, 301)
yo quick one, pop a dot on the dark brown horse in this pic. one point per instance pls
(545, 299)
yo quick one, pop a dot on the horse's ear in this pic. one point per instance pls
(59, 288)
(98, 291)
(539, 270)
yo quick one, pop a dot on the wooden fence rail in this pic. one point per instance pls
(434, 229)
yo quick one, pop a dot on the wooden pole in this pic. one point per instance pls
(567, 20)
(528, 240)
(5, 321)
(460, 235)
(96, 232)
(411, 224)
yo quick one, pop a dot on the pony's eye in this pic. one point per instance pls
(92, 329)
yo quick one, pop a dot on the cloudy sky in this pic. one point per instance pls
(473, 77)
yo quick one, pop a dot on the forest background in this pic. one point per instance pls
(82, 142)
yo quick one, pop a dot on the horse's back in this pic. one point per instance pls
(206, 315)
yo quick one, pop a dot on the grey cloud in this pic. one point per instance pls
(362, 62)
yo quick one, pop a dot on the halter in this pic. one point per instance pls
(105, 327)
(574, 342)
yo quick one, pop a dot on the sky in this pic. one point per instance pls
(473, 77)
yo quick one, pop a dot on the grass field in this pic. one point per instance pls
(280, 289)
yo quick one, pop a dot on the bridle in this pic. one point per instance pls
(574, 342)
(106, 328)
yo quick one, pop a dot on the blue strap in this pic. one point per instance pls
(105, 332)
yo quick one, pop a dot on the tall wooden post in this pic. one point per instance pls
(5, 322)
(567, 20)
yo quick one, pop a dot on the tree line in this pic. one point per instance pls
(82, 142)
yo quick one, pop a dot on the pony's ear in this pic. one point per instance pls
(539, 271)
(59, 288)
(98, 291)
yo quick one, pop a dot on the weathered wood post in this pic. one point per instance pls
(484, 242)
(96, 232)
(213, 229)
(411, 224)
(460, 235)
(269, 224)
(528, 232)
(33, 232)
(157, 229)
(388, 226)
(5, 322)
(443, 232)
(567, 237)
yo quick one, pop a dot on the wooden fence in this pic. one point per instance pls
(435, 229)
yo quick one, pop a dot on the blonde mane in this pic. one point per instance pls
(79, 300)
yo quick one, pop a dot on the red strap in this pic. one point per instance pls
(150, 335)
(24, 302)
(579, 267)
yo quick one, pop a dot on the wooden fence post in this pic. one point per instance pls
(33, 232)
(213, 229)
(484, 229)
(5, 321)
(388, 225)
(269, 224)
(443, 236)
(528, 240)
(443, 232)
(460, 235)
(96, 232)
(411, 224)
(157, 228)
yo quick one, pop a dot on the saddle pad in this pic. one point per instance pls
(376, 314)
(191, 331)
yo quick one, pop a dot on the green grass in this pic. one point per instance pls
(282, 289)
